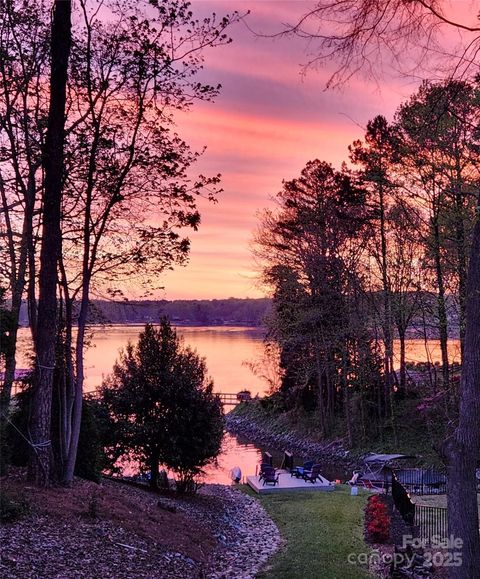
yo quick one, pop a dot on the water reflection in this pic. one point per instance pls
(226, 349)
(237, 451)
(234, 453)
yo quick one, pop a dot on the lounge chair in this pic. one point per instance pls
(313, 475)
(298, 471)
(269, 476)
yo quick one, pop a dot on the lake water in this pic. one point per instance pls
(226, 349)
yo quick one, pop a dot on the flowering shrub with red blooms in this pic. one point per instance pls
(377, 520)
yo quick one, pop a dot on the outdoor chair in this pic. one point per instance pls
(312, 475)
(298, 471)
(263, 467)
(269, 476)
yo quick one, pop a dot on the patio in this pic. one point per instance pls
(287, 483)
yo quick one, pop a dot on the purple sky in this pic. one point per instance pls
(263, 128)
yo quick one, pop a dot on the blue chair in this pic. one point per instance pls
(299, 471)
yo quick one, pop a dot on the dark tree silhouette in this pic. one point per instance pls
(163, 407)
(356, 34)
(53, 161)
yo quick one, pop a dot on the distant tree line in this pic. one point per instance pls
(244, 312)
(249, 312)
(233, 311)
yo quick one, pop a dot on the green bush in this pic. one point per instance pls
(164, 408)
(91, 458)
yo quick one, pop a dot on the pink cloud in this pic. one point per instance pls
(266, 124)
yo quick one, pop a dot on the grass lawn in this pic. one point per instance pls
(436, 500)
(320, 530)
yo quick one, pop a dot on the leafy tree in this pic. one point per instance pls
(356, 33)
(127, 193)
(375, 156)
(311, 249)
(440, 143)
(163, 407)
(24, 49)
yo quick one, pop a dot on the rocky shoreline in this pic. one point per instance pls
(261, 435)
(247, 536)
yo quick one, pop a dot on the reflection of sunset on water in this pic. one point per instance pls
(226, 349)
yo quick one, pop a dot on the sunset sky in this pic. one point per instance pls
(263, 128)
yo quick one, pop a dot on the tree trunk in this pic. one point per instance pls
(387, 325)
(76, 414)
(18, 287)
(461, 248)
(403, 363)
(441, 306)
(40, 421)
(462, 451)
(154, 470)
(67, 389)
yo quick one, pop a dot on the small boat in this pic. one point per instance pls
(377, 470)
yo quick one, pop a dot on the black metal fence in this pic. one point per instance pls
(431, 522)
(422, 481)
(403, 502)
(428, 522)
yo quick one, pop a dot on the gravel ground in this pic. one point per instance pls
(40, 548)
(246, 534)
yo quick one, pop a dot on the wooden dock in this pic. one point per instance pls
(288, 483)
(232, 398)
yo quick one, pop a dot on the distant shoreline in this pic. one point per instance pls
(228, 312)
(175, 323)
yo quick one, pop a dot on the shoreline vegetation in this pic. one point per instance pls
(249, 312)
(261, 423)
(245, 312)
(274, 431)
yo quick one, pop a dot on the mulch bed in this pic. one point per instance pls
(130, 536)
(120, 531)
